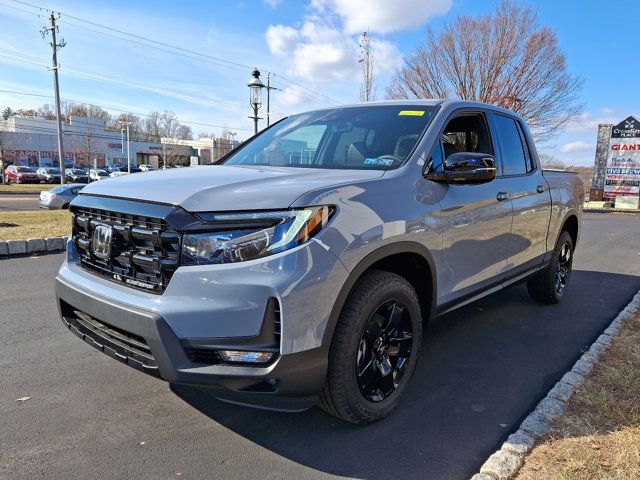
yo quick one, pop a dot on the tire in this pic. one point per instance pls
(357, 362)
(550, 285)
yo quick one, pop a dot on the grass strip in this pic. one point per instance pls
(599, 436)
(38, 224)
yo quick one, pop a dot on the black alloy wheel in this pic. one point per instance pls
(564, 260)
(384, 351)
(550, 285)
(374, 349)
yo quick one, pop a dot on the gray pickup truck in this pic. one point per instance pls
(302, 267)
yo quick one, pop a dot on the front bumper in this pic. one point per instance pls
(209, 307)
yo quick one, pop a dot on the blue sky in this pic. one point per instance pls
(310, 45)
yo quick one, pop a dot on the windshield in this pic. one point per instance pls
(53, 170)
(367, 137)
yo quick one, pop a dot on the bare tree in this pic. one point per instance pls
(505, 58)
(551, 162)
(184, 132)
(152, 126)
(169, 124)
(136, 128)
(367, 89)
(7, 113)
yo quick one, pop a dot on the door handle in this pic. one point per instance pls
(540, 189)
(502, 196)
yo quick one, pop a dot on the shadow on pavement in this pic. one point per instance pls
(482, 369)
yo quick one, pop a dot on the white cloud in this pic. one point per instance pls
(292, 96)
(588, 122)
(325, 46)
(382, 16)
(578, 146)
(282, 39)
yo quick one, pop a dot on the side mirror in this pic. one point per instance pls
(466, 168)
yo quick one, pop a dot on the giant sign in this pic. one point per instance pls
(622, 176)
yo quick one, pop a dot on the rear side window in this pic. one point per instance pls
(512, 152)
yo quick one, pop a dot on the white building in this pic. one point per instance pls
(33, 142)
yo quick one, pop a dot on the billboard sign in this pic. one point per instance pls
(622, 176)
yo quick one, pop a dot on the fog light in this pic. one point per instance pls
(245, 357)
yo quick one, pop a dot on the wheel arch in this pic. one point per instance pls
(410, 260)
(571, 225)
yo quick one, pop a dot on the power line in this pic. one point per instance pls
(31, 94)
(105, 77)
(156, 43)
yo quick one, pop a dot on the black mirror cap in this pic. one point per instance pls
(466, 168)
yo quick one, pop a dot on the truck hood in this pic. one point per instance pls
(225, 188)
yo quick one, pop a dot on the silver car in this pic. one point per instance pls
(59, 197)
(303, 266)
(48, 174)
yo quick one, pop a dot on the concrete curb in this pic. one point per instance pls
(11, 248)
(505, 463)
(612, 210)
(32, 194)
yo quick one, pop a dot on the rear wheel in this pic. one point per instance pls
(550, 285)
(374, 350)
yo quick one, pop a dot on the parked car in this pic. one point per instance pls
(19, 174)
(48, 174)
(59, 197)
(146, 168)
(96, 174)
(76, 175)
(112, 169)
(303, 266)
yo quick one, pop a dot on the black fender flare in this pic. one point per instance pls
(362, 266)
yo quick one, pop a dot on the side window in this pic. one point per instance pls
(512, 153)
(466, 133)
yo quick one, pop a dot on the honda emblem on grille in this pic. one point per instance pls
(101, 241)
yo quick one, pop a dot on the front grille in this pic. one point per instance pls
(144, 251)
(123, 346)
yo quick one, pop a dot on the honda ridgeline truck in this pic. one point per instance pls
(301, 268)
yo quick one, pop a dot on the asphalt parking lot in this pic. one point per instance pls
(483, 368)
(15, 202)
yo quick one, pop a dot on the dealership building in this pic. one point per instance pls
(33, 142)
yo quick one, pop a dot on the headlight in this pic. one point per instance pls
(246, 236)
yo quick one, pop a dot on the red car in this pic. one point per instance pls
(18, 174)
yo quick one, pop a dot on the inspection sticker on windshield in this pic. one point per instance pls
(378, 161)
(412, 113)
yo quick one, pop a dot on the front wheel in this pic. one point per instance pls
(374, 350)
(550, 285)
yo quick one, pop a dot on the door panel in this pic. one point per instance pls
(475, 244)
(528, 190)
(531, 213)
(476, 240)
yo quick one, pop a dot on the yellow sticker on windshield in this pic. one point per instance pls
(412, 113)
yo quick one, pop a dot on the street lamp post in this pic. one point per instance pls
(255, 97)
(127, 123)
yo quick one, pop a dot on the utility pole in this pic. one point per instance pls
(126, 123)
(367, 89)
(128, 150)
(269, 88)
(55, 45)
